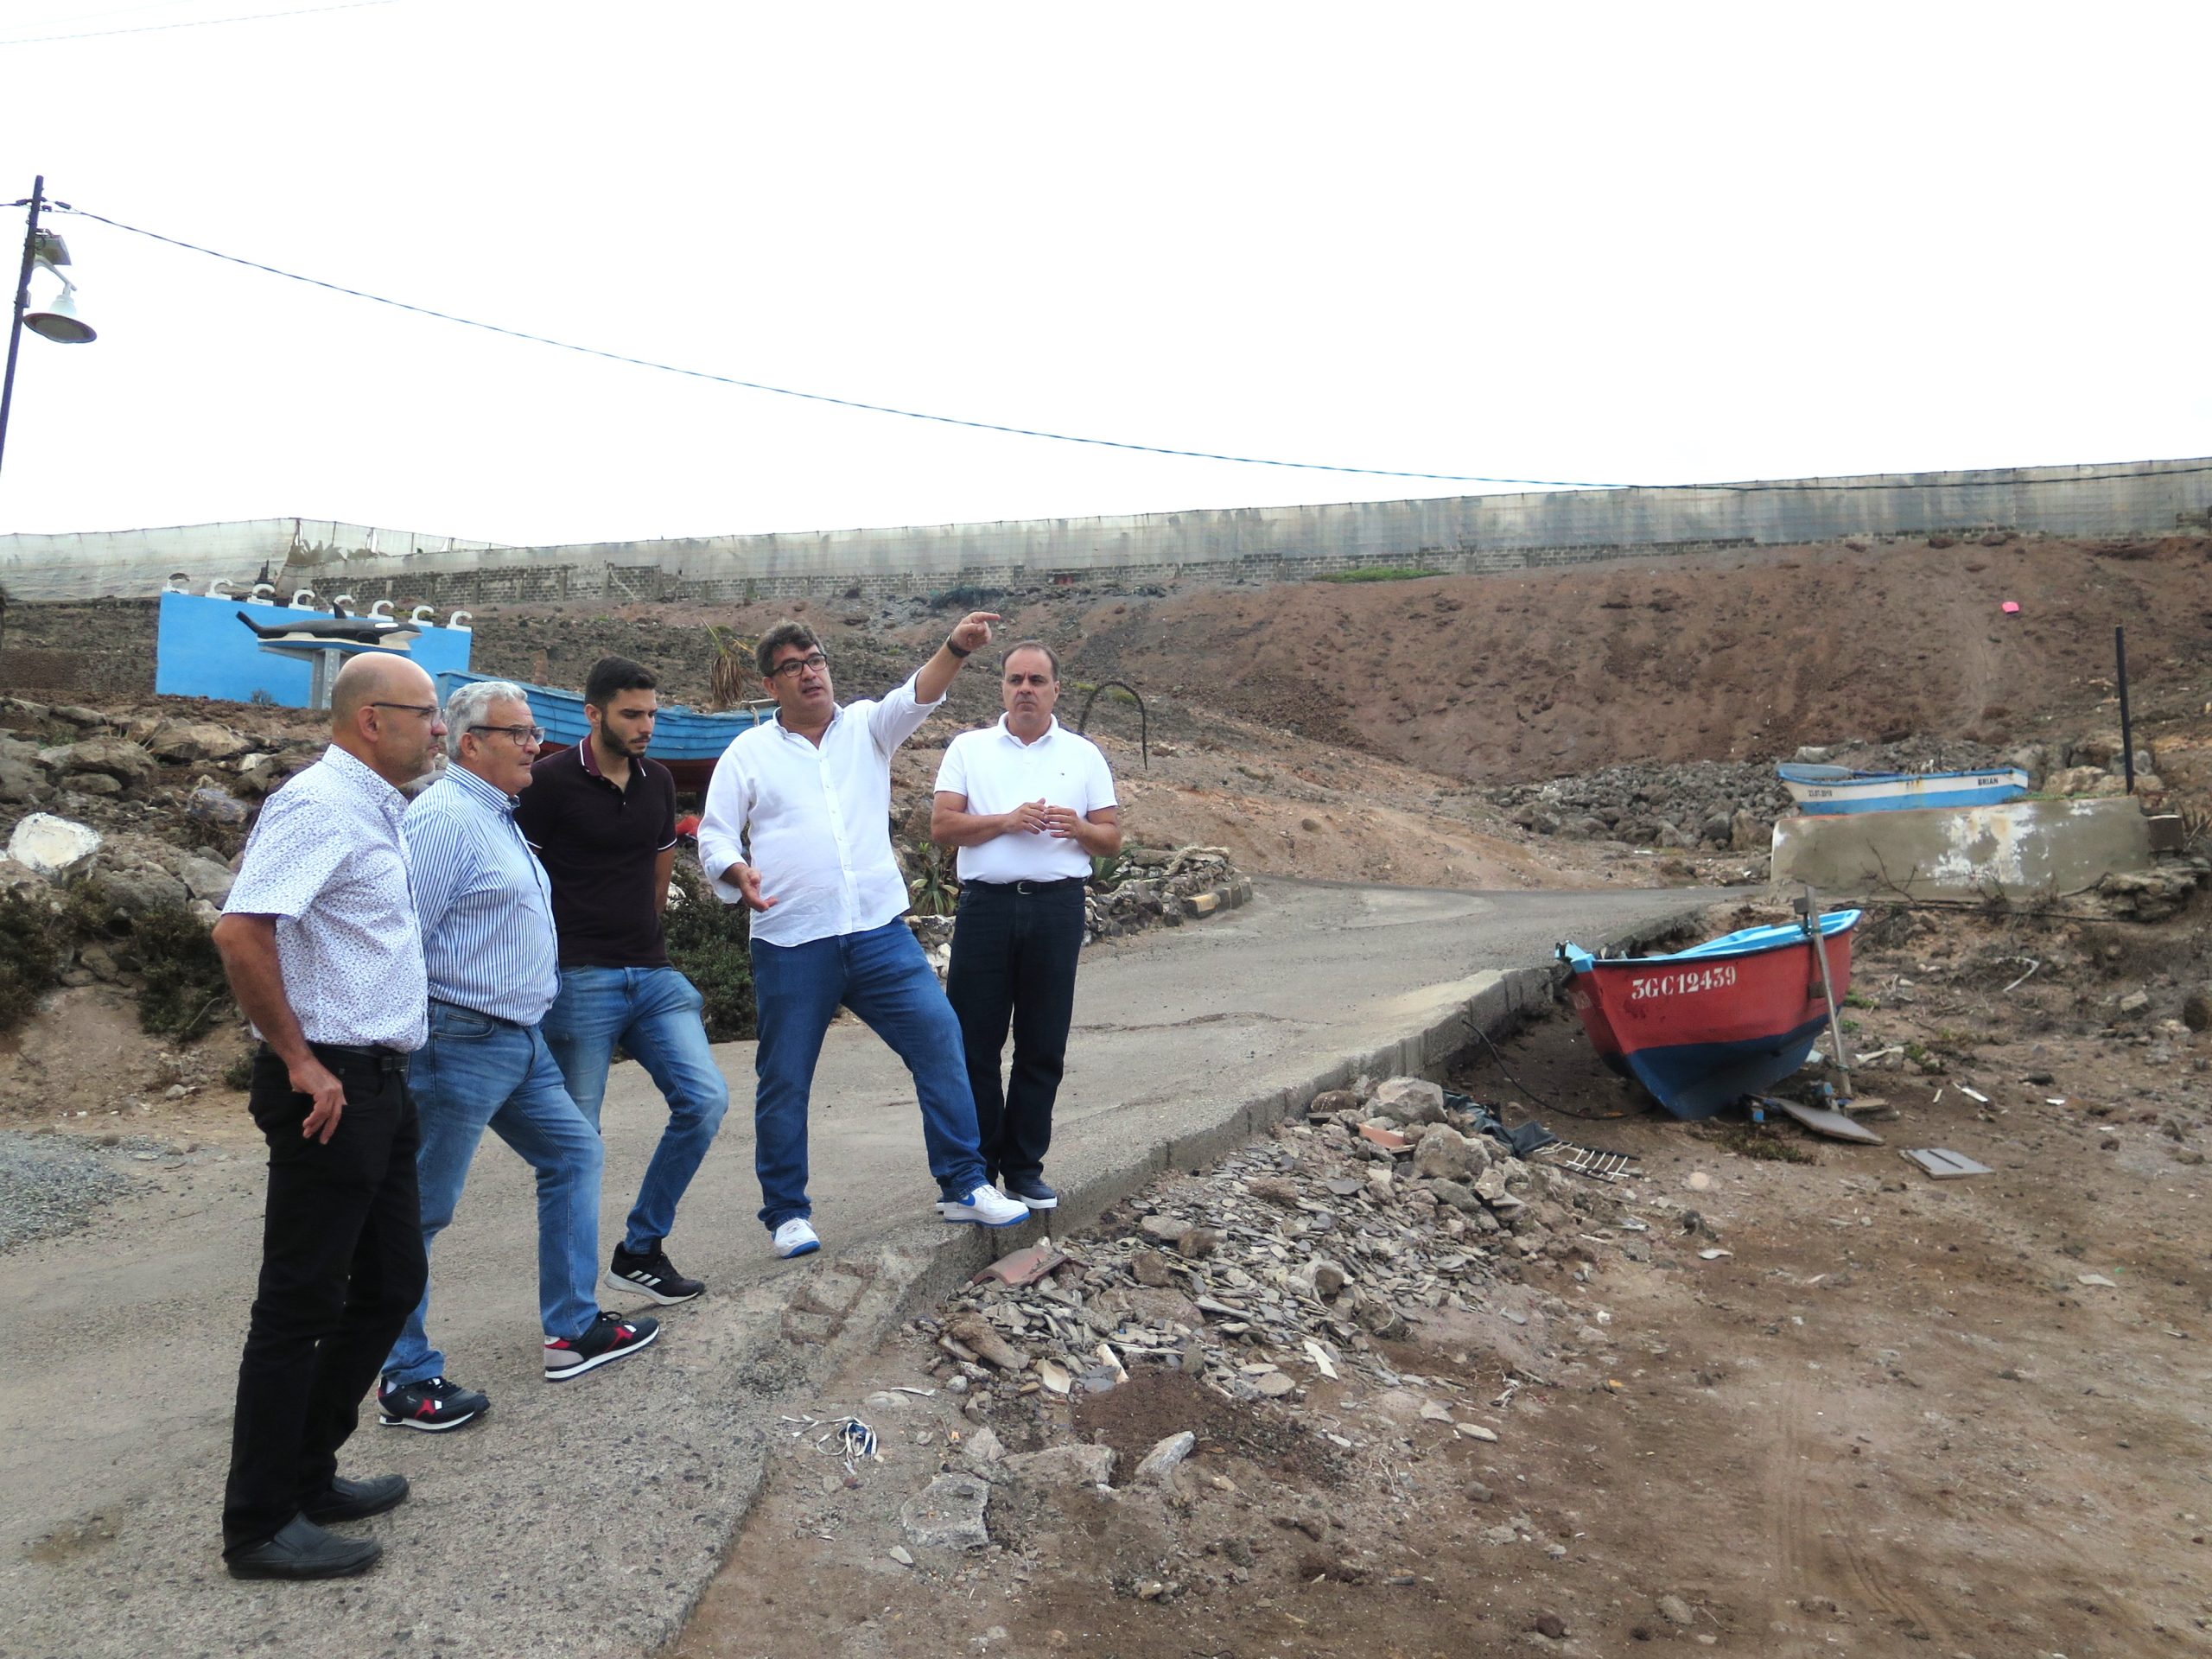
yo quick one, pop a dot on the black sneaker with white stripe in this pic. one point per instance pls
(649, 1272)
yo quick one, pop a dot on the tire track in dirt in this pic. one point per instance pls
(1819, 1552)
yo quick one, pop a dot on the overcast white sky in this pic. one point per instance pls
(1638, 245)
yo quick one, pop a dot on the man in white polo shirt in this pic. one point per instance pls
(1028, 803)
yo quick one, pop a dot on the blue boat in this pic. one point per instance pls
(687, 742)
(1840, 789)
(1703, 1027)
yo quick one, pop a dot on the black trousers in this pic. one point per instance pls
(1014, 958)
(342, 1266)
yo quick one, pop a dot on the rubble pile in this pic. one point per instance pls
(1162, 888)
(1293, 1259)
(1732, 805)
(1152, 887)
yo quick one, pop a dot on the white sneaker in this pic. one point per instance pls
(797, 1237)
(987, 1206)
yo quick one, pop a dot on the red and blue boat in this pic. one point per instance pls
(1704, 1027)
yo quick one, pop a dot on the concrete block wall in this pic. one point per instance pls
(1476, 534)
(1487, 534)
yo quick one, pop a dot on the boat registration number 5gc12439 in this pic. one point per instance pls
(1716, 978)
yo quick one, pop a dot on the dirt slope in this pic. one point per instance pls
(1506, 678)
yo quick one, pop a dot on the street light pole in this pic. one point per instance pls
(23, 303)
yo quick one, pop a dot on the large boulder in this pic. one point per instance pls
(948, 1514)
(114, 757)
(1062, 1465)
(196, 740)
(52, 846)
(1409, 1099)
(136, 888)
(1443, 1154)
(2083, 780)
(206, 879)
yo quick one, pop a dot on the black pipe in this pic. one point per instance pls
(37, 200)
(2126, 726)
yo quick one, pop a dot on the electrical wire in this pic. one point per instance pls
(199, 23)
(1534, 1098)
(825, 397)
(1779, 487)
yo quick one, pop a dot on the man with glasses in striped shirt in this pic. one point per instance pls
(487, 914)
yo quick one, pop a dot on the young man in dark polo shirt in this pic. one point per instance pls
(603, 820)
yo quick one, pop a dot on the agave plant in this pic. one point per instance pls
(936, 889)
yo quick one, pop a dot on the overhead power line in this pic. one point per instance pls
(825, 397)
(199, 23)
(1783, 486)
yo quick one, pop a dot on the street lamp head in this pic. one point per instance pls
(58, 321)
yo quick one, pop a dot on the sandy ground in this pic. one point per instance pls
(1890, 1413)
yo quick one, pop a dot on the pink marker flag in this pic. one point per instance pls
(2012, 607)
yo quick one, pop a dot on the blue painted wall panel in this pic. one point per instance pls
(204, 651)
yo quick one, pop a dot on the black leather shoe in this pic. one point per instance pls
(355, 1500)
(304, 1550)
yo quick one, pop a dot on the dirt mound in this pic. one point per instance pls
(1706, 658)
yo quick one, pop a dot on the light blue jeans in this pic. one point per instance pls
(476, 1073)
(653, 1013)
(881, 975)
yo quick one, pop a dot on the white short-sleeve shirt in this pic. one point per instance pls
(997, 772)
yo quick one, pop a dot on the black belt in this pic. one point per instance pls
(385, 1059)
(1027, 887)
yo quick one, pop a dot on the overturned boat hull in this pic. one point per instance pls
(1702, 1028)
(1839, 788)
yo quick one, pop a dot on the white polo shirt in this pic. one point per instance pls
(818, 817)
(997, 772)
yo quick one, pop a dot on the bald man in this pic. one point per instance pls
(320, 940)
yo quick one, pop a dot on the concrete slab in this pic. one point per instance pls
(586, 1517)
(2022, 850)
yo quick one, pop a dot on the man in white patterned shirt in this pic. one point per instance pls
(486, 913)
(320, 942)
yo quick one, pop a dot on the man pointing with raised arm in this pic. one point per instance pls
(810, 791)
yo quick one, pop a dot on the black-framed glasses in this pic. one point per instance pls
(428, 710)
(520, 734)
(789, 669)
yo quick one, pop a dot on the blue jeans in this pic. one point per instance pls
(881, 975)
(476, 1073)
(653, 1013)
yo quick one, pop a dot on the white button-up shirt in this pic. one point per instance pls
(327, 861)
(818, 817)
(997, 772)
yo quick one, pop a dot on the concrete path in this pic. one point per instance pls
(585, 1517)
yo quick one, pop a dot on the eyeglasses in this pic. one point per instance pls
(789, 669)
(520, 734)
(428, 710)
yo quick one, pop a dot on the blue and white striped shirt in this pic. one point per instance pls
(486, 906)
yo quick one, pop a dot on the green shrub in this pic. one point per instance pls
(186, 995)
(709, 941)
(33, 950)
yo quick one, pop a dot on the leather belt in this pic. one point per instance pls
(1026, 888)
(383, 1058)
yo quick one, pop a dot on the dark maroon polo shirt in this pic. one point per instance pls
(599, 844)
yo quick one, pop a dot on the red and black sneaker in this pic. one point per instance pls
(607, 1339)
(433, 1404)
